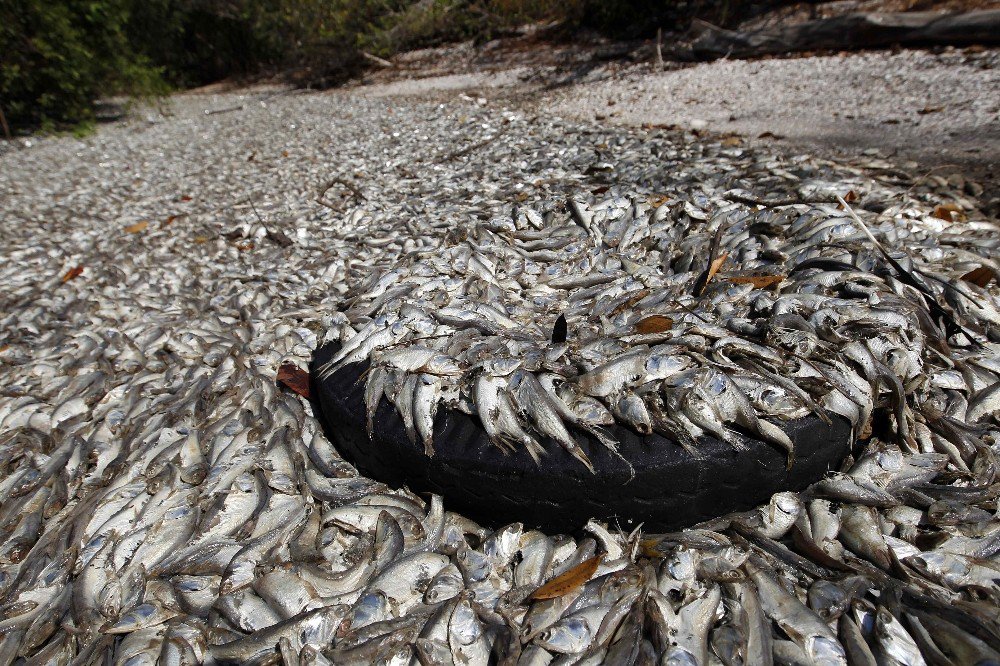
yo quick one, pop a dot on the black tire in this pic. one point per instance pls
(670, 490)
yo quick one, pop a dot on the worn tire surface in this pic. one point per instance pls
(670, 490)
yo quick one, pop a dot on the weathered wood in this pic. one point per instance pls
(851, 31)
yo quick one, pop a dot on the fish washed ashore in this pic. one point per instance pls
(164, 500)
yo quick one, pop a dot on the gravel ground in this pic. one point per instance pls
(156, 274)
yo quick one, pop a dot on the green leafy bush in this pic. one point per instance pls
(57, 57)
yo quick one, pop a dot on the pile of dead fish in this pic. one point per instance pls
(814, 316)
(162, 500)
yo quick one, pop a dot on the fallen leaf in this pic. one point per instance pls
(244, 246)
(758, 281)
(185, 198)
(980, 276)
(201, 239)
(706, 276)
(769, 135)
(649, 548)
(654, 324)
(949, 213)
(732, 141)
(137, 227)
(930, 109)
(716, 265)
(850, 197)
(657, 200)
(76, 271)
(567, 582)
(284, 153)
(630, 301)
(294, 378)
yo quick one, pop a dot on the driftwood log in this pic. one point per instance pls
(848, 32)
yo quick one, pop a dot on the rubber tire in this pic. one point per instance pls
(671, 489)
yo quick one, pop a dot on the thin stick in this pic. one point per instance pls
(338, 181)
(381, 62)
(659, 48)
(737, 198)
(6, 127)
(254, 208)
(908, 277)
(212, 112)
(473, 147)
(940, 167)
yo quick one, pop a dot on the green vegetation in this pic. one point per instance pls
(55, 57)
(58, 56)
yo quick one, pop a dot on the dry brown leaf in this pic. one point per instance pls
(657, 200)
(569, 581)
(74, 272)
(137, 227)
(758, 281)
(716, 265)
(654, 324)
(649, 548)
(731, 141)
(980, 276)
(201, 239)
(850, 197)
(949, 213)
(630, 301)
(294, 378)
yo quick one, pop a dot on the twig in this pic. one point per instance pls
(381, 62)
(338, 181)
(940, 167)
(476, 146)
(254, 209)
(212, 112)
(951, 326)
(659, 48)
(713, 250)
(6, 127)
(738, 198)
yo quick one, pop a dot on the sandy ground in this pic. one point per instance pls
(913, 105)
(921, 111)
